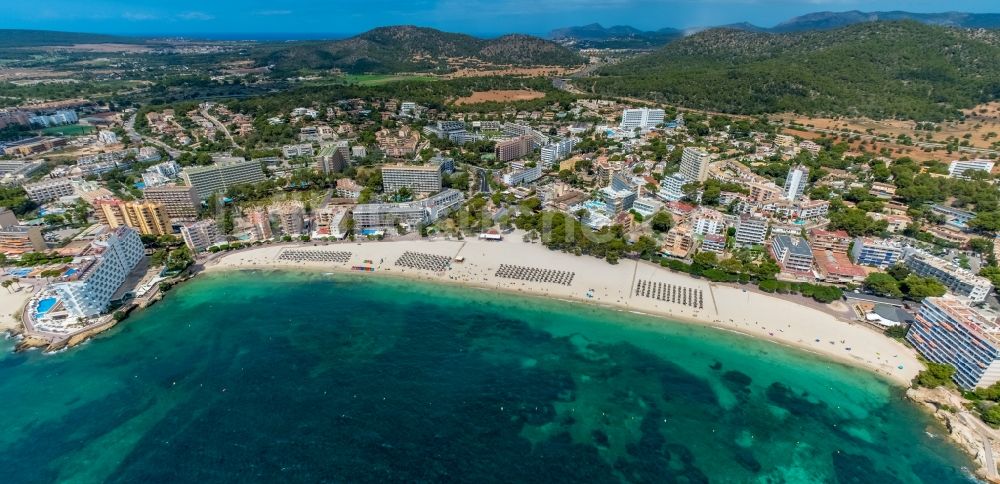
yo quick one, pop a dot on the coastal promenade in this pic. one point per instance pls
(624, 286)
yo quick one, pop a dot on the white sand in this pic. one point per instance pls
(11, 304)
(727, 307)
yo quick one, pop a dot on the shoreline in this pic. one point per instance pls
(768, 309)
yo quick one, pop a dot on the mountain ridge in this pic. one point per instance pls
(410, 48)
(594, 35)
(902, 69)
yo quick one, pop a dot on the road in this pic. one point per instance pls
(983, 432)
(218, 124)
(135, 136)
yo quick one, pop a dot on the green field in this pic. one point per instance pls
(378, 79)
(68, 130)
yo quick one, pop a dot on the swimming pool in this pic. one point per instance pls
(19, 272)
(45, 305)
(71, 271)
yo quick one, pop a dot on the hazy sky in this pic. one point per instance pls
(472, 16)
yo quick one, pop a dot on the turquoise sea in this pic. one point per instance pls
(282, 377)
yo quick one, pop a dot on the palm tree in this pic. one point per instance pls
(17, 282)
(6, 285)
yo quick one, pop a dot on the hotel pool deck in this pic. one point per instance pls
(44, 306)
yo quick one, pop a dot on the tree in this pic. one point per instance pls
(856, 222)
(981, 246)
(899, 272)
(883, 284)
(897, 331)
(661, 221)
(936, 374)
(991, 415)
(992, 273)
(917, 287)
(6, 284)
(986, 221)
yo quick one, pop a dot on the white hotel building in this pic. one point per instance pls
(88, 291)
(641, 118)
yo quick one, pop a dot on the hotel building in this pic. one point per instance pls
(180, 202)
(792, 253)
(641, 118)
(418, 178)
(216, 178)
(694, 164)
(514, 148)
(555, 152)
(88, 291)
(948, 331)
(380, 216)
(958, 168)
(48, 190)
(795, 183)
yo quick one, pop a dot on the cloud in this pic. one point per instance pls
(195, 16)
(272, 13)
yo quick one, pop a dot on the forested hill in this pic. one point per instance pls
(877, 69)
(11, 38)
(408, 48)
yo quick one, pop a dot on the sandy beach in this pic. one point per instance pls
(595, 281)
(11, 304)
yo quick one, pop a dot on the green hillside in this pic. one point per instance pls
(389, 50)
(877, 69)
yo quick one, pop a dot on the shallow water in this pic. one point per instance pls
(274, 376)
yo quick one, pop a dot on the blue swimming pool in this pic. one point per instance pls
(45, 305)
(19, 272)
(71, 271)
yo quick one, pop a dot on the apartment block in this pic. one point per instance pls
(881, 253)
(751, 231)
(149, 218)
(21, 239)
(948, 331)
(837, 240)
(714, 243)
(304, 149)
(291, 218)
(959, 281)
(201, 235)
